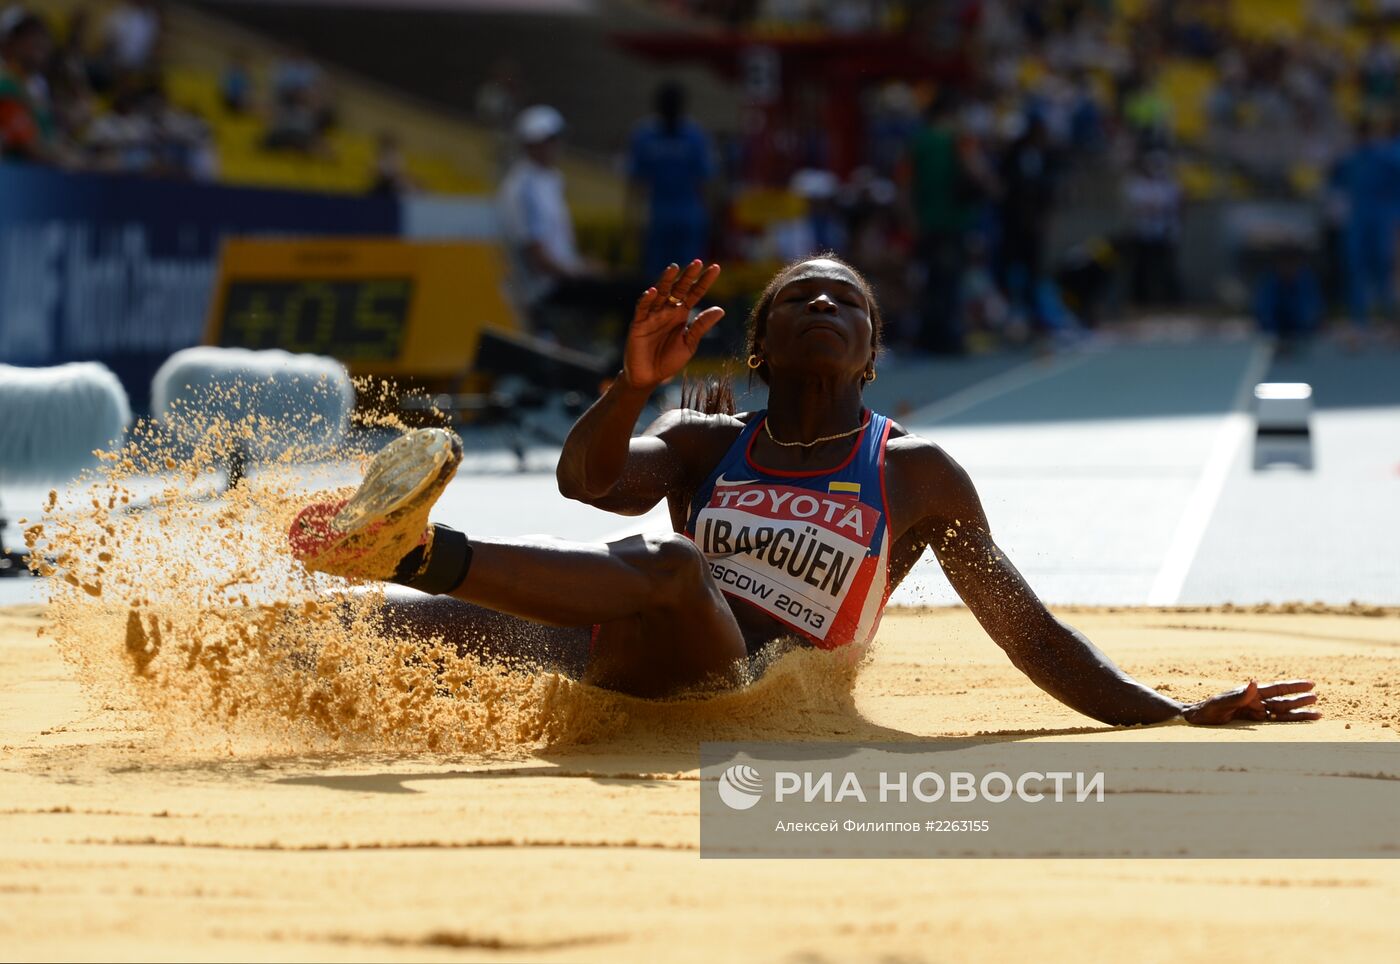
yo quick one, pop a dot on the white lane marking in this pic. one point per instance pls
(1009, 381)
(1191, 528)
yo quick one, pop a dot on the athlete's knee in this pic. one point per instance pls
(675, 566)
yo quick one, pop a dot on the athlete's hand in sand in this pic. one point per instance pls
(1273, 702)
(663, 336)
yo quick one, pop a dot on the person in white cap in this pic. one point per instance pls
(551, 278)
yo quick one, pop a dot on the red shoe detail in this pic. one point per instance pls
(363, 537)
(310, 532)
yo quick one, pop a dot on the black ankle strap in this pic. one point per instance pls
(449, 558)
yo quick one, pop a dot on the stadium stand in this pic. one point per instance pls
(441, 154)
(898, 134)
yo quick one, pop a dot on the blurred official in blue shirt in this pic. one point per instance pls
(669, 161)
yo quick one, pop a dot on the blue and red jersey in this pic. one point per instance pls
(811, 549)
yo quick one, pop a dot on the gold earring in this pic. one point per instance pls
(869, 375)
(755, 361)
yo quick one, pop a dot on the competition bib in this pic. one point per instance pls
(790, 551)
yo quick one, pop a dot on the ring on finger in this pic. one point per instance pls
(675, 302)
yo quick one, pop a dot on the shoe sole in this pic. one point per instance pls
(408, 471)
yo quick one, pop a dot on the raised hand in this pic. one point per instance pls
(1273, 702)
(663, 337)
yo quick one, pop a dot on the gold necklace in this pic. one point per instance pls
(815, 441)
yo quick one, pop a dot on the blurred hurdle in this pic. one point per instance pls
(299, 403)
(54, 420)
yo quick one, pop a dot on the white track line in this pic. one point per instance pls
(984, 391)
(1191, 528)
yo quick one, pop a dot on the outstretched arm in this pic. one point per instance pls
(602, 463)
(1056, 657)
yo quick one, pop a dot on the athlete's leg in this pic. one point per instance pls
(484, 632)
(662, 624)
(665, 625)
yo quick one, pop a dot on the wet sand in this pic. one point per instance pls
(121, 843)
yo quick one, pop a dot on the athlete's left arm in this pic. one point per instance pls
(948, 517)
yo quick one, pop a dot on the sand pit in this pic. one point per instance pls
(123, 843)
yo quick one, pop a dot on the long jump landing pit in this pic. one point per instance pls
(123, 843)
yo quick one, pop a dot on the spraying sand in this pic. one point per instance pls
(224, 640)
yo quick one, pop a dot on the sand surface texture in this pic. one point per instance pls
(131, 832)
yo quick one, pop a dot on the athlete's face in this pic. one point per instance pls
(819, 323)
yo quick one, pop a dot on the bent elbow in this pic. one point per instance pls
(573, 488)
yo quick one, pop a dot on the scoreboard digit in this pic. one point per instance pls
(384, 306)
(362, 320)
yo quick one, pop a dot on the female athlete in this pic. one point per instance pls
(795, 522)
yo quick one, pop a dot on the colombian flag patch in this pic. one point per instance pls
(852, 487)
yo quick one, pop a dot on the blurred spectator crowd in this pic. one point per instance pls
(952, 194)
(89, 91)
(91, 96)
(1137, 108)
